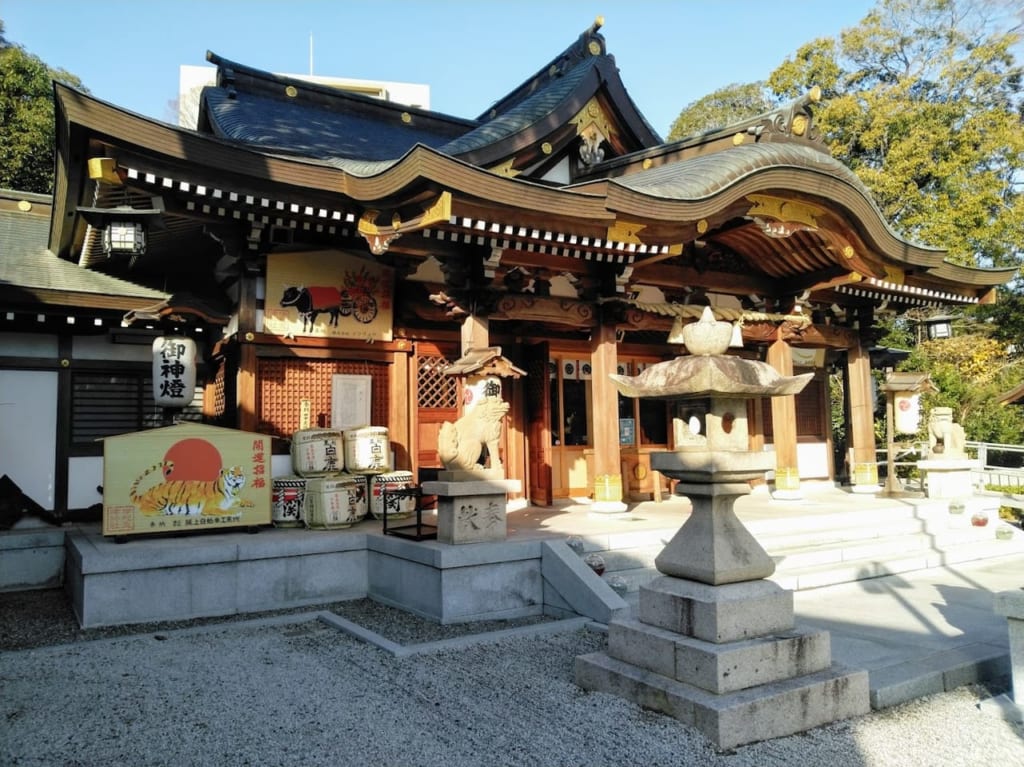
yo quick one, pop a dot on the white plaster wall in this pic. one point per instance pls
(812, 458)
(100, 348)
(29, 345)
(85, 474)
(28, 431)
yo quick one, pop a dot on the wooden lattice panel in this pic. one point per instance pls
(218, 392)
(808, 410)
(284, 383)
(435, 389)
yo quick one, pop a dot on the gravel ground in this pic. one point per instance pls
(41, 618)
(261, 692)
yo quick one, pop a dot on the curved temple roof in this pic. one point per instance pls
(563, 166)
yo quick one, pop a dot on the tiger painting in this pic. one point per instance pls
(190, 497)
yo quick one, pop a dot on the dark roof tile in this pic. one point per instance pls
(308, 131)
(26, 263)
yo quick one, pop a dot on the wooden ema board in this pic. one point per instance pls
(185, 478)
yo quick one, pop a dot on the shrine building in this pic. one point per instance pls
(303, 232)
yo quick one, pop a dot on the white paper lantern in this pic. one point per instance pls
(906, 412)
(174, 371)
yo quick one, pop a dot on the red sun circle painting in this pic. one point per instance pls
(193, 459)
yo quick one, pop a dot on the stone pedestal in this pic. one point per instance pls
(948, 478)
(472, 511)
(726, 660)
(714, 643)
(713, 546)
(1011, 707)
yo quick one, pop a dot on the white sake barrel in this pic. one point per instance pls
(367, 450)
(318, 452)
(399, 508)
(333, 502)
(286, 500)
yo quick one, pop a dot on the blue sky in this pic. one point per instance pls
(470, 52)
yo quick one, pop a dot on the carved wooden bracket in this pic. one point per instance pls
(562, 311)
(381, 228)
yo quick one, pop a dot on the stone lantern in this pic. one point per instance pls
(714, 643)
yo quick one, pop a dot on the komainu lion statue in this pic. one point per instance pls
(945, 436)
(460, 444)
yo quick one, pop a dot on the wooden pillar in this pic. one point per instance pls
(248, 418)
(861, 426)
(604, 421)
(402, 399)
(475, 333)
(755, 425)
(787, 471)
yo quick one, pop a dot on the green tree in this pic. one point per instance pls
(970, 372)
(923, 100)
(721, 108)
(26, 118)
(1005, 318)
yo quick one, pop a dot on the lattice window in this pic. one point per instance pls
(284, 383)
(219, 401)
(435, 389)
(107, 403)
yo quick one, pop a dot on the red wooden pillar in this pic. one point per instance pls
(604, 422)
(863, 459)
(787, 470)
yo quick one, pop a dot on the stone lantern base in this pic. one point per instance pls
(714, 643)
(726, 660)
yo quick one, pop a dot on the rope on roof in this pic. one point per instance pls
(694, 311)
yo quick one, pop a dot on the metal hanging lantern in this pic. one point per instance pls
(124, 237)
(125, 228)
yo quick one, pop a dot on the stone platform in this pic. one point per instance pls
(727, 660)
(179, 578)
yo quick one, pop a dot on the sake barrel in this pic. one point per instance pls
(367, 450)
(318, 452)
(398, 508)
(334, 502)
(286, 499)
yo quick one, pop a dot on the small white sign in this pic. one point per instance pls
(351, 400)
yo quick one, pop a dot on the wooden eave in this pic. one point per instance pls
(29, 296)
(162, 150)
(828, 192)
(499, 212)
(966, 275)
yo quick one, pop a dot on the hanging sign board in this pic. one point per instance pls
(184, 478)
(174, 371)
(328, 294)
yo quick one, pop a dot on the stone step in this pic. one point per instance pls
(825, 523)
(845, 531)
(857, 546)
(879, 547)
(799, 579)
